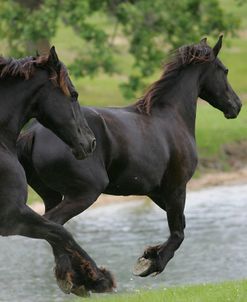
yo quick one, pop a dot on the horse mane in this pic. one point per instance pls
(25, 67)
(179, 59)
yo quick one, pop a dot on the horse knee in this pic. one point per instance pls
(17, 220)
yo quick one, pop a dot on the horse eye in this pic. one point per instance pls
(226, 71)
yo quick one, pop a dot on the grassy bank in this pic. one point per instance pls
(224, 292)
(214, 131)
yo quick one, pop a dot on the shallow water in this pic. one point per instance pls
(115, 236)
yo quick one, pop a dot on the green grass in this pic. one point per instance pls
(233, 7)
(223, 292)
(213, 130)
(234, 57)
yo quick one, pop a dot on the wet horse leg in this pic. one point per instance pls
(155, 258)
(75, 271)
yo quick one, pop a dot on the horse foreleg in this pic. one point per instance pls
(155, 259)
(71, 206)
(75, 271)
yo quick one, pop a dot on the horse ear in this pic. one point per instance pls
(203, 40)
(217, 46)
(53, 58)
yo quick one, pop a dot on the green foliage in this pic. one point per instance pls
(19, 24)
(214, 131)
(150, 28)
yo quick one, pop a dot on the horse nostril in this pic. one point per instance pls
(93, 145)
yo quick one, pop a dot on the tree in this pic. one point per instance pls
(150, 27)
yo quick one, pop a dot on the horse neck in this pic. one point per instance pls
(181, 98)
(17, 102)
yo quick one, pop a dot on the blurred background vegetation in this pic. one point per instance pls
(123, 37)
(115, 48)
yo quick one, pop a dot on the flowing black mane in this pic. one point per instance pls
(25, 67)
(180, 58)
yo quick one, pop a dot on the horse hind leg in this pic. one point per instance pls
(155, 259)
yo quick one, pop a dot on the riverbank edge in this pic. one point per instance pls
(207, 180)
(230, 291)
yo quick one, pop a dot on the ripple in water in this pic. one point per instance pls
(115, 236)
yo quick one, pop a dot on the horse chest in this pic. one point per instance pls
(12, 178)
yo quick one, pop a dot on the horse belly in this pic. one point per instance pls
(134, 181)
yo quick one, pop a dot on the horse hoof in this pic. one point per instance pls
(65, 285)
(142, 267)
(80, 291)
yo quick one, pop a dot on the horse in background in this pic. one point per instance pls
(147, 148)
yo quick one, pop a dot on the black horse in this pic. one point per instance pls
(147, 148)
(39, 87)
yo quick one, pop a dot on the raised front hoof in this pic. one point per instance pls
(145, 267)
(150, 263)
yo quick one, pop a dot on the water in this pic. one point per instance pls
(115, 236)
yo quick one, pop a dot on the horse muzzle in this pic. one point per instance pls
(81, 151)
(233, 112)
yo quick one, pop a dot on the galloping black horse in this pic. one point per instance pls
(39, 87)
(147, 148)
